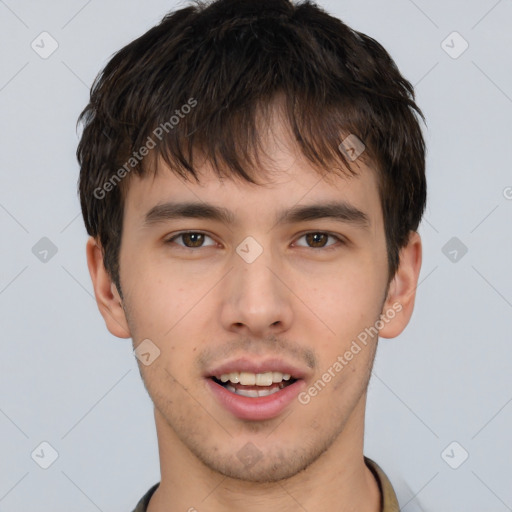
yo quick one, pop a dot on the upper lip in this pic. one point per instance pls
(251, 365)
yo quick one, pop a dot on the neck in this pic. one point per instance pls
(338, 481)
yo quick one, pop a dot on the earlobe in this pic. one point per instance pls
(107, 297)
(399, 304)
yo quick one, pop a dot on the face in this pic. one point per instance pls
(266, 293)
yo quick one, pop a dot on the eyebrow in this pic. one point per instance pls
(337, 210)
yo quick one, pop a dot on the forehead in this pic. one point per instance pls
(295, 192)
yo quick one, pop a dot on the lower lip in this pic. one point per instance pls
(259, 408)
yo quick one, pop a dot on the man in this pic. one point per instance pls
(252, 180)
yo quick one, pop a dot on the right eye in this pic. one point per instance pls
(191, 239)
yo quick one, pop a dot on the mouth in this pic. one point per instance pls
(255, 392)
(254, 385)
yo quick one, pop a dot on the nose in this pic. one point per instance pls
(257, 298)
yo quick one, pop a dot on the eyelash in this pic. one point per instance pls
(326, 248)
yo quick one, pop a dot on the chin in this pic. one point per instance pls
(249, 464)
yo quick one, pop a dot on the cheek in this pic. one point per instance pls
(163, 299)
(348, 303)
(348, 299)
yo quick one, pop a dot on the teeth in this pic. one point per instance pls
(247, 379)
(254, 379)
(253, 393)
(264, 379)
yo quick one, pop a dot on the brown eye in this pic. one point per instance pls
(318, 240)
(191, 239)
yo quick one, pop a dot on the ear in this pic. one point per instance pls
(399, 304)
(107, 297)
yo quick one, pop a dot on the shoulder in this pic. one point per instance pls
(389, 501)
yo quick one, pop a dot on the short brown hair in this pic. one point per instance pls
(198, 79)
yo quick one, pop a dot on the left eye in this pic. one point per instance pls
(195, 239)
(319, 239)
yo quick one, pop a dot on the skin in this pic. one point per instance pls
(202, 305)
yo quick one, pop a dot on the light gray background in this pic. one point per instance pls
(65, 380)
